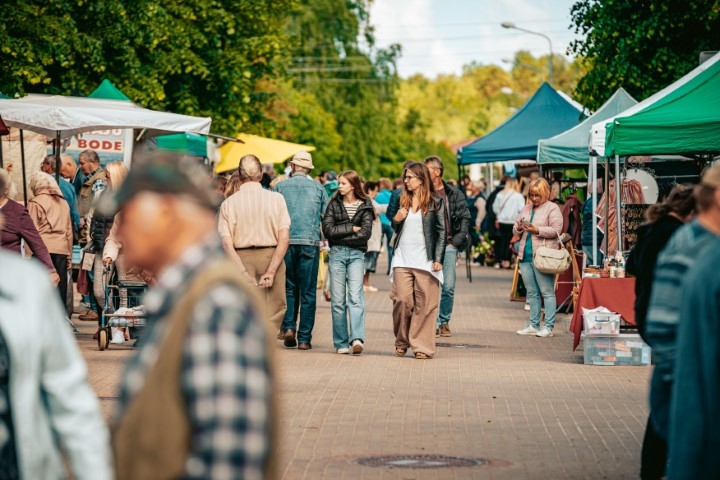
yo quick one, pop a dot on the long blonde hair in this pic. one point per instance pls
(116, 172)
(7, 187)
(424, 193)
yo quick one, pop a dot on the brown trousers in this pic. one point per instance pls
(416, 297)
(256, 261)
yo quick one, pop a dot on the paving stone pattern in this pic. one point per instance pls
(526, 405)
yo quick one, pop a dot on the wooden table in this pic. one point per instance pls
(615, 294)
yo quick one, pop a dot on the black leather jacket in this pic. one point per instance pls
(338, 227)
(459, 216)
(433, 229)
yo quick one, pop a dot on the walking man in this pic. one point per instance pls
(254, 226)
(306, 201)
(94, 182)
(457, 221)
(196, 400)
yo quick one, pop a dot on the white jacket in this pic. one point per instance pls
(507, 206)
(49, 392)
(375, 242)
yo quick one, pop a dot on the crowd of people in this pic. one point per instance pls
(234, 263)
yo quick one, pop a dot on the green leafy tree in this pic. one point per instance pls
(640, 46)
(198, 57)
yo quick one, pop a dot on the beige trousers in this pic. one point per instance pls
(416, 297)
(256, 261)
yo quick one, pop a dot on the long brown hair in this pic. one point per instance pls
(424, 193)
(354, 180)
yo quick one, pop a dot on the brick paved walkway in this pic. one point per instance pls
(526, 404)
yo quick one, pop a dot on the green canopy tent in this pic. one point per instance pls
(683, 118)
(108, 91)
(187, 143)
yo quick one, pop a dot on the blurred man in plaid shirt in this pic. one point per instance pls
(196, 400)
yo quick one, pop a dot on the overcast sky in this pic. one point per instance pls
(440, 36)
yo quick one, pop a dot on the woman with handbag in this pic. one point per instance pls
(418, 253)
(539, 224)
(506, 206)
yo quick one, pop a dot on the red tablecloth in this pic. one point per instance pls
(615, 294)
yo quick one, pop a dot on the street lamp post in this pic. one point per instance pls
(550, 62)
(515, 63)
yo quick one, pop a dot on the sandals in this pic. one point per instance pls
(400, 352)
(422, 356)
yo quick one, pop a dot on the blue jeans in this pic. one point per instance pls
(539, 285)
(301, 271)
(587, 250)
(387, 232)
(347, 297)
(447, 295)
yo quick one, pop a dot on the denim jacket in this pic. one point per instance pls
(306, 201)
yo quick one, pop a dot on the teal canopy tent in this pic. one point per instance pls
(571, 147)
(546, 114)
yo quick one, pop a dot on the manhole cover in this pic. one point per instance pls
(459, 345)
(421, 461)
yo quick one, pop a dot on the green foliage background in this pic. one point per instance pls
(641, 46)
(307, 72)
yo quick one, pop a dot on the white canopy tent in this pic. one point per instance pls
(54, 115)
(60, 117)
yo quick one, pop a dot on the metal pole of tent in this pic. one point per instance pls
(607, 204)
(618, 198)
(57, 157)
(22, 162)
(593, 190)
(2, 165)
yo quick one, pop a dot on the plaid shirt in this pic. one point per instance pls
(225, 382)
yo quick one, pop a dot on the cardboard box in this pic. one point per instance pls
(625, 349)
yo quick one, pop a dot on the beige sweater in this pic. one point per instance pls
(51, 215)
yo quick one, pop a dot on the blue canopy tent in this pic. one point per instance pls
(545, 115)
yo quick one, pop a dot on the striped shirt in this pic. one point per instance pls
(352, 208)
(253, 217)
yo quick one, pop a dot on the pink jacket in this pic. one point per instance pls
(549, 220)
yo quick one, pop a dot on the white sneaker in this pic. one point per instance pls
(527, 307)
(529, 330)
(497, 266)
(343, 351)
(118, 337)
(369, 288)
(357, 347)
(544, 332)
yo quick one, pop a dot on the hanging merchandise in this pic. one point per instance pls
(631, 193)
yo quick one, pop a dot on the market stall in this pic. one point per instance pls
(682, 119)
(268, 150)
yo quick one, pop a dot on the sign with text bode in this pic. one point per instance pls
(111, 145)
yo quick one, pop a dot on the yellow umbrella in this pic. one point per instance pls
(266, 149)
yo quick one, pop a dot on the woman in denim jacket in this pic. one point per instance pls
(347, 224)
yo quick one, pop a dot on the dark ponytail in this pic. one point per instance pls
(680, 201)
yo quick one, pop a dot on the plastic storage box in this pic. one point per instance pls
(626, 349)
(601, 323)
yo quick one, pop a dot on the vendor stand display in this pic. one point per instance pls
(616, 294)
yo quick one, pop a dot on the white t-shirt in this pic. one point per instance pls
(411, 251)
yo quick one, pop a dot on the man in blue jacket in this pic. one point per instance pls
(306, 201)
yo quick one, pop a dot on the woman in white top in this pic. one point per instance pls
(507, 206)
(419, 251)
